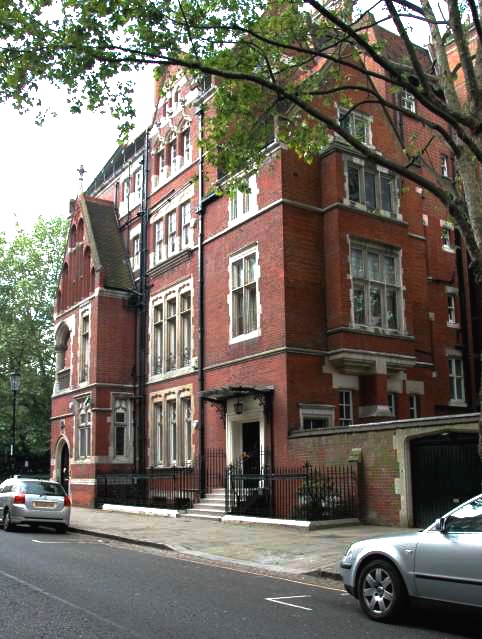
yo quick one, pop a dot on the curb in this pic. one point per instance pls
(318, 572)
(127, 540)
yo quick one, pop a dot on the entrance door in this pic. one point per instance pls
(445, 471)
(65, 468)
(250, 447)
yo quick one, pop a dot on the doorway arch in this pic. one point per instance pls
(64, 466)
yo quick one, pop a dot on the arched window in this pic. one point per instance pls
(72, 236)
(80, 231)
(62, 357)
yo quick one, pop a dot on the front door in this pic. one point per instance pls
(65, 468)
(250, 448)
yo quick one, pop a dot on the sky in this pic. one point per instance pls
(38, 164)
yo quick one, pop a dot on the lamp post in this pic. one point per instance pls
(15, 386)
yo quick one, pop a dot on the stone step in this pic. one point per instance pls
(205, 509)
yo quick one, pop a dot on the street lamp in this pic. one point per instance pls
(15, 386)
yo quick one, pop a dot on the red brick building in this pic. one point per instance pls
(331, 296)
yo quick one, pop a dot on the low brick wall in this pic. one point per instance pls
(385, 490)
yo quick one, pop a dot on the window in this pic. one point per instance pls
(84, 348)
(158, 434)
(243, 204)
(171, 321)
(126, 190)
(392, 403)
(346, 408)
(187, 427)
(316, 416)
(186, 329)
(172, 149)
(171, 345)
(357, 124)
(171, 426)
(444, 166)
(414, 407)
(83, 428)
(372, 187)
(138, 186)
(456, 379)
(172, 430)
(446, 238)
(159, 240)
(452, 314)
(158, 334)
(466, 519)
(244, 295)
(376, 286)
(186, 223)
(121, 427)
(186, 146)
(407, 101)
(171, 233)
(136, 252)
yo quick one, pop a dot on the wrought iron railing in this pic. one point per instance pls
(308, 493)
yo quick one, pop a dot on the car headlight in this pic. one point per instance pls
(348, 555)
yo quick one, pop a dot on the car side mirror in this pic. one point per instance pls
(440, 524)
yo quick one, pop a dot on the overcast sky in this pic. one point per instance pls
(38, 165)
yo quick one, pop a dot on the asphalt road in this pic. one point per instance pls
(81, 587)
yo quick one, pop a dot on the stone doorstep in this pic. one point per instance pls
(239, 519)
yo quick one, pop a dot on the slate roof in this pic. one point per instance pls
(106, 245)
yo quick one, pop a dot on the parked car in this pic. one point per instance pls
(34, 502)
(442, 563)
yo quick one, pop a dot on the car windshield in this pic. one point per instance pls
(41, 488)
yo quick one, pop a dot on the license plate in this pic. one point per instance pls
(43, 504)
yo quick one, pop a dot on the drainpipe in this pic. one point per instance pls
(142, 316)
(200, 288)
(203, 203)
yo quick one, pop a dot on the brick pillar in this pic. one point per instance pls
(373, 398)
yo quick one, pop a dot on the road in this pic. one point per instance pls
(81, 587)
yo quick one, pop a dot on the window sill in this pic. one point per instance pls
(314, 432)
(367, 330)
(453, 325)
(166, 179)
(242, 218)
(448, 249)
(458, 403)
(245, 337)
(175, 372)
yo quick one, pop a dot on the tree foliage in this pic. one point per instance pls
(29, 268)
(272, 57)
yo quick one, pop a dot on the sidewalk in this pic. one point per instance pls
(268, 547)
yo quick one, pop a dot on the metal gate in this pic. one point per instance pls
(446, 470)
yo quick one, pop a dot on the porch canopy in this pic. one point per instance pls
(219, 396)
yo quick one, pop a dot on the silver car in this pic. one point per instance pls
(442, 563)
(34, 502)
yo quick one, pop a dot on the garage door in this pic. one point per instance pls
(446, 470)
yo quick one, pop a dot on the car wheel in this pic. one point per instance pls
(7, 521)
(381, 591)
(61, 528)
(34, 527)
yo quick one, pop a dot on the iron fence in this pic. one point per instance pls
(176, 487)
(308, 493)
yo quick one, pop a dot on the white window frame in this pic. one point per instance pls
(172, 241)
(161, 364)
(171, 439)
(159, 242)
(186, 148)
(136, 252)
(243, 205)
(407, 101)
(314, 413)
(138, 185)
(451, 309)
(122, 405)
(354, 119)
(240, 337)
(446, 235)
(363, 169)
(456, 377)
(345, 398)
(365, 282)
(84, 338)
(185, 212)
(392, 403)
(414, 406)
(444, 165)
(83, 430)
